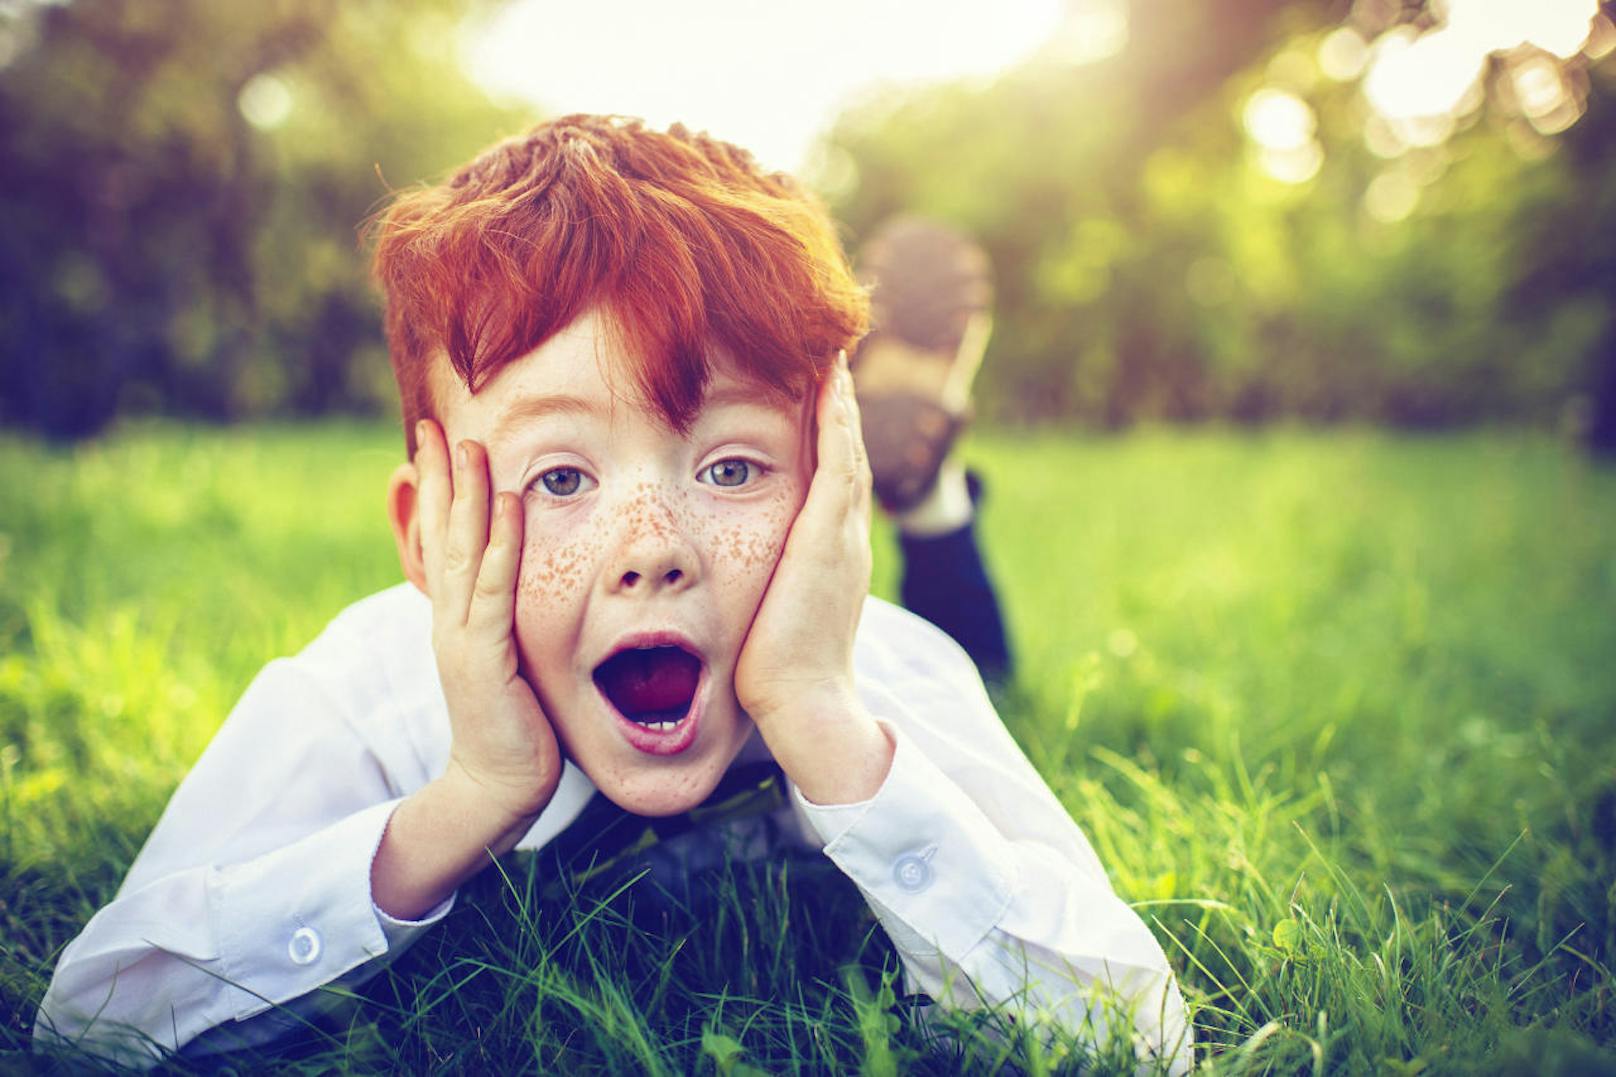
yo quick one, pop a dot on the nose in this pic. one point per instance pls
(653, 553)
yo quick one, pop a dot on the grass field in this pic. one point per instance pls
(1337, 711)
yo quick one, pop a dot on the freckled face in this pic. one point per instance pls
(631, 528)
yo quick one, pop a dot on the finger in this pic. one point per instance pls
(467, 536)
(432, 467)
(837, 465)
(833, 495)
(493, 600)
(855, 424)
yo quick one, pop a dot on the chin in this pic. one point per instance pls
(653, 787)
(659, 791)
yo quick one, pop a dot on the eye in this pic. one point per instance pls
(562, 481)
(732, 472)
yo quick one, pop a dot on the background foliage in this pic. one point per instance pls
(162, 252)
(184, 180)
(1151, 269)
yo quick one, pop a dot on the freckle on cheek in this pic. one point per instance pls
(753, 547)
(555, 571)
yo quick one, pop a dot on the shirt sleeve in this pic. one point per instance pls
(252, 892)
(988, 890)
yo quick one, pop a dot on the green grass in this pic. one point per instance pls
(1336, 710)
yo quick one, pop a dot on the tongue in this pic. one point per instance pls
(652, 683)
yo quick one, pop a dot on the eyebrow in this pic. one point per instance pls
(536, 408)
(531, 410)
(734, 395)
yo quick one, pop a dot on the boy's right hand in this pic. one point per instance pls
(503, 747)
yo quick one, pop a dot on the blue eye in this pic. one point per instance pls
(729, 473)
(562, 481)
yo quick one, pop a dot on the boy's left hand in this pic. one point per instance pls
(795, 671)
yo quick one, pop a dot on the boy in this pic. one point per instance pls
(634, 525)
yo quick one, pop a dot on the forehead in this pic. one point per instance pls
(581, 371)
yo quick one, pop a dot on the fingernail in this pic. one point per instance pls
(420, 430)
(460, 455)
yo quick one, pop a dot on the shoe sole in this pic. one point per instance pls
(930, 305)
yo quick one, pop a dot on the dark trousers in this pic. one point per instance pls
(945, 582)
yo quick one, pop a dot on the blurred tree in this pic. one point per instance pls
(1210, 223)
(1206, 224)
(1044, 166)
(182, 183)
(1567, 262)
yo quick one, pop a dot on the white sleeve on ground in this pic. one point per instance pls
(252, 891)
(985, 885)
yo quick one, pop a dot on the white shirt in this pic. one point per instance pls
(254, 888)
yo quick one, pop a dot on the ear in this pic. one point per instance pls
(402, 505)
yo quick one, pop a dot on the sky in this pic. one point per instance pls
(767, 76)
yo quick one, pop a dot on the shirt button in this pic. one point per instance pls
(912, 873)
(304, 949)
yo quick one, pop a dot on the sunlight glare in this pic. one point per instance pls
(1538, 87)
(1293, 164)
(1381, 138)
(769, 78)
(1427, 79)
(1278, 120)
(1427, 75)
(265, 101)
(1343, 54)
(1391, 197)
(1601, 39)
(1556, 26)
(1282, 125)
(1543, 96)
(1090, 32)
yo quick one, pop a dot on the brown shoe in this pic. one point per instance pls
(931, 313)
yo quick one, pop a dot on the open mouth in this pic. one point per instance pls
(653, 688)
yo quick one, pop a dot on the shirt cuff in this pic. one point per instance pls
(300, 916)
(921, 849)
(402, 932)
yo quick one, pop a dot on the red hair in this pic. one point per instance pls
(680, 239)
